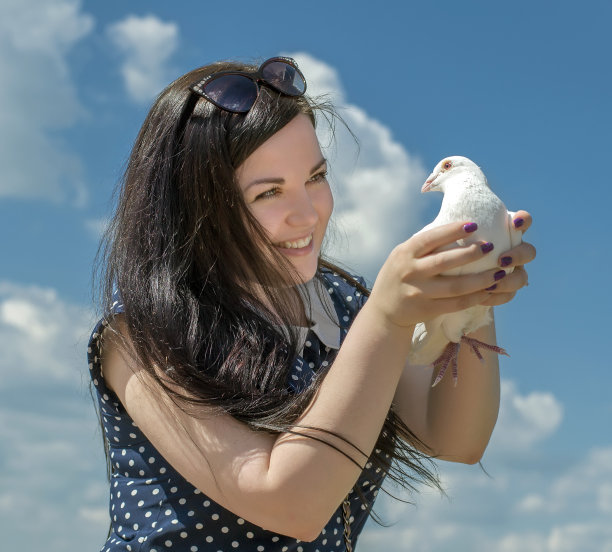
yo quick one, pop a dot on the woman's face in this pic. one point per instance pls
(284, 185)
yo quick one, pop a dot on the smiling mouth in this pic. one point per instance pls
(297, 244)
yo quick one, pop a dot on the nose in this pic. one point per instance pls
(302, 212)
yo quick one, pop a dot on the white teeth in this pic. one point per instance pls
(304, 242)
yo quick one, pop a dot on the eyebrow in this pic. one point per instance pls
(279, 180)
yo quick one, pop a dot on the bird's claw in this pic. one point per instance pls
(448, 357)
(475, 344)
(451, 352)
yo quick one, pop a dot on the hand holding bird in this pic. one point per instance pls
(442, 270)
(467, 196)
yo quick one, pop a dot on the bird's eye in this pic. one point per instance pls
(447, 165)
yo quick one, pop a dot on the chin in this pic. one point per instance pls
(306, 273)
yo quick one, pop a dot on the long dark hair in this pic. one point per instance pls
(183, 248)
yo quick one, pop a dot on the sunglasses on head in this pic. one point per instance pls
(236, 91)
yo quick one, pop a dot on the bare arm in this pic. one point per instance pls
(454, 422)
(457, 422)
(292, 484)
(287, 484)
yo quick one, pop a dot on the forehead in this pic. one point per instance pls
(292, 148)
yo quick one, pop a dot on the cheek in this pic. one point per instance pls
(325, 204)
(270, 217)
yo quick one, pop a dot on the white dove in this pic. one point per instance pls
(467, 196)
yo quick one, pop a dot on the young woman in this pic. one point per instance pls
(251, 397)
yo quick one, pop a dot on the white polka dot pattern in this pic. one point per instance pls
(152, 507)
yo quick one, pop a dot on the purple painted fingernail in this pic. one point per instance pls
(499, 275)
(505, 261)
(486, 247)
(518, 222)
(491, 288)
(470, 227)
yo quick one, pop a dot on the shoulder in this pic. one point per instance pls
(117, 356)
(347, 287)
(102, 342)
(347, 292)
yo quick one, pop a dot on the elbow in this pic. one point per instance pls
(306, 524)
(307, 535)
(459, 458)
(299, 529)
(472, 458)
(466, 456)
(301, 511)
(296, 519)
(466, 448)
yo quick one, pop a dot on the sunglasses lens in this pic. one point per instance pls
(284, 77)
(235, 93)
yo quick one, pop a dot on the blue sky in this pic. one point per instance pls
(522, 88)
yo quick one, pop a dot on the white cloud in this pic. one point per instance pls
(96, 227)
(38, 97)
(376, 189)
(585, 537)
(53, 469)
(524, 420)
(521, 542)
(147, 43)
(533, 502)
(40, 334)
(44, 27)
(50, 443)
(586, 487)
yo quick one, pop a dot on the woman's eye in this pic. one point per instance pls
(319, 176)
(268, 193)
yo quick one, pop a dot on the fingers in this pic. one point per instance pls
(441, 287)
(455, 304)
(501, 291)
(443, 261)
(496, 299)
(505, 289)
(522, 220)
(430, 240)
(517, 256)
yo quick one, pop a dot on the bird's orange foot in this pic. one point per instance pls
(451, 352)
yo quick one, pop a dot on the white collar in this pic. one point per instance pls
(321, 308)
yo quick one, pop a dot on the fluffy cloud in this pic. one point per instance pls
(40, 334)
(38, 97)
(50, 444)
(147, 43)
(53, 469)
(376, 184)
(524, 419)
(586, 488)
(531, 502)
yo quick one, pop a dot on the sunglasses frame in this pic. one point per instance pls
(256, 77)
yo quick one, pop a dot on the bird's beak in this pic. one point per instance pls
(428, 183)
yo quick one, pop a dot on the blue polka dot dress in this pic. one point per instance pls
(153, 508)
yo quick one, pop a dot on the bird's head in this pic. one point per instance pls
(448, 168)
